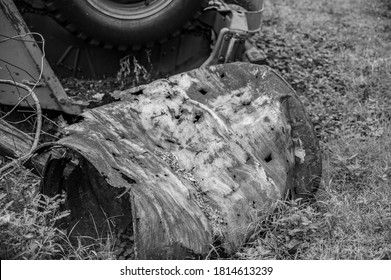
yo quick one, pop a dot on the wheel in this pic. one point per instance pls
(124, 23)
(250, 5)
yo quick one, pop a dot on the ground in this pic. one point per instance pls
(336, 55)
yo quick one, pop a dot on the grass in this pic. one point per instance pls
(28, 225)
(336, 54)
(351, 218)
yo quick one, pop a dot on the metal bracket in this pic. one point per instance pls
(237, 26)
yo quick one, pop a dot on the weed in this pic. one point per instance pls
(26, 226)
(29, 225)
(288, 232)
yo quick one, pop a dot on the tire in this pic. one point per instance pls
(250, 5)
(124, 23)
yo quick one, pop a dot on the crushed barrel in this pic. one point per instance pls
(185, 162)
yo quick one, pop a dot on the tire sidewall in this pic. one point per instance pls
(93, 25)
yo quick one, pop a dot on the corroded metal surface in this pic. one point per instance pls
(186, 161)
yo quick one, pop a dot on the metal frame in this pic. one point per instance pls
(237, 25)
(21, 60)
